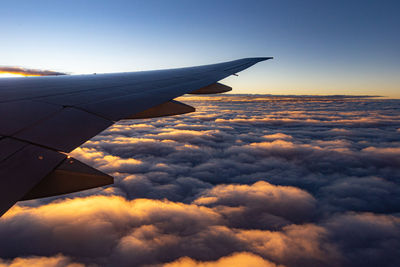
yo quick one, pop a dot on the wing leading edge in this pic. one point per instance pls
(44, 118)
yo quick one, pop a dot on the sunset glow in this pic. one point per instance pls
(11, 75)
(17, 71)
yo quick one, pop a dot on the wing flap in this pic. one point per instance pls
(70, 176)
(169, 108)
(215, 88)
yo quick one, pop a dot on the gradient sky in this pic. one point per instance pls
(320, 47)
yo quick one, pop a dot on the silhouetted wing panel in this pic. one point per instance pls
(9, 146)
(15, 116)
(65, 130)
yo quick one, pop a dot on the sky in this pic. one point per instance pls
(245, 181)
(319, 47)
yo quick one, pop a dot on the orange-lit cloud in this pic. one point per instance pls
(144, 231)
(242, 259)
(277, 136)
(55, 261)
(261, 205)
(28, 72)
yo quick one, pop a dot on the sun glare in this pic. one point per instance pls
(13, 75)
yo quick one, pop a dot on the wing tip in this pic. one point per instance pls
(259, 59)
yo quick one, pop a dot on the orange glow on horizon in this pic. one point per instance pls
(16, 74)
(10, 75)
(7, 74)
(24, 72)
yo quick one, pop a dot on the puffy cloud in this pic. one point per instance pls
(361, 194)
(383, 155)
(68, 225)
(277, 136)
(295, 245)
(144, 231)
(366, 239)
(148, 231)
(55, 261)
(261, 205)
(243, 259)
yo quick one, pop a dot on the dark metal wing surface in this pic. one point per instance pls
(44, 118)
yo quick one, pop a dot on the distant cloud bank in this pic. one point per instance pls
(29, 72)
(244, 181)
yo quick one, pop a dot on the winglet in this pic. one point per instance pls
(259, 59)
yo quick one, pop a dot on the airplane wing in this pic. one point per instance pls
(44, 118)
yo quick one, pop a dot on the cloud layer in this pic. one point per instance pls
(268, 181)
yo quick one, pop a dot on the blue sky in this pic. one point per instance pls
(320, 47)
